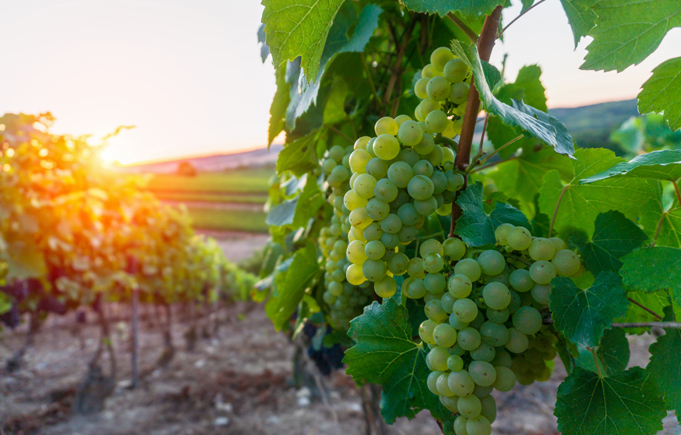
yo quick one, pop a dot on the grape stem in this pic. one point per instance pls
(495, 163)
(371, 81)
(476, 160)
(340, 133)
(555, 212)
(464, 27)
(645, 308)
(463, 156)
(519, 16)
(440, 139)
(598, 365)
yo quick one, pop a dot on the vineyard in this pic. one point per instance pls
(443, 255)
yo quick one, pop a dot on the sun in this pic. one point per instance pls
(112, 151)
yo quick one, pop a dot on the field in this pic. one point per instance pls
(221, 201)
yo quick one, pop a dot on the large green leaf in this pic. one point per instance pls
(661, 224)
(309, 202)
(583, 315)
(656, 302)
(612, 353)
(656, 165)
(279, 105)
(664, 369)
(475, 227)
(469, 8)
(520, 115)
(579, 204)
(661, 93)
(628, 31)
(618, 404)
(653, 269)
(291, 285)
(580, 16)
(300, 156)
(614, 237)
(386, 354)
(299, 29)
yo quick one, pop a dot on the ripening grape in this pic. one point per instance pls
(443, 386)
(398, 264)
(440, 57)
(444, 335)
(361, 143)
(465, 310)
(377, 210)
(454, 249)
(521, 281)
(479, 425)
(558, 243)
(455, 181)
(359, 218)
(433, 262)
(425, 107)
(455, 363)
(459, 286)
(386, 125)
(423, 167)
(469, 406)
(430, 71)
(364, 186)
(496, 295)
(354, 274)
(374, 249)
(506, 379)
(435, 283)
(372, 232)
(541, 292)
(385, 190)
(410, 133)
(484, 352)
(420, 187)
(392, 224)
(420, 88)
(455, 71)
(426, 331)
(498, 316)
(426, 207)
(469, 338)
(416, 289)
(352, 201)
(517, 341)
(386, 287)
(438, 89)
(436, 155)
(566, 262)
(374, 270)
(519, 238)
(386, 147)
(492, 262)
(390, 240)
(437, 357)
(400, 173)
(436, 121)
(431, 381)
(356, 252)
(461, 383)
(501, 233)
(439, 182)
(377, 168)
(541, 249)
(459, 92)
(359, 159)
(542, 272)
(468, 267)
(409, 156)
(527, 320)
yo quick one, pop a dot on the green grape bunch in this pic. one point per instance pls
(485, 313)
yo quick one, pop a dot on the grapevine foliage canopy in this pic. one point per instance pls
(662, 92)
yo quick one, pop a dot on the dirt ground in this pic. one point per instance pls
(237, 382)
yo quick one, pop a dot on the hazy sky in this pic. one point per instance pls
(188, 73)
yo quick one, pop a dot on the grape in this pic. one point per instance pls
(431, 297)
(423, 167)
(496, 295)
(374, 249)
(439, 182)
(506, 379)
(377, 168)
(459, 92)
(436, 155)
(447, 302)
(359, 218)
(442, 386)
(566, 262)
(519, 238)
(541, 292)
(370, 147)
(479, 425)
(377, 210)
(459, 286)
(430, 245)
(336, 288)
(392, 224)
(469, 406)
(386, 147)
(328, 165)
(468, 267)
(426, 207)
(444, 210)
(430, 71)
(541, 249)
(492, 262)
(527, 320)
(517, 341)
(484, 352)
(386, 287)
(469, 338)
(436, 121)
(494, 334)
(390, 240)
(427, 106)
(502, 358)
(410, 133)
(408, 214)
(400, 173)
(456, 323)
(454, 362)
(398, 264)
(426, 331)
(416, 268)
(437, 357)
(426, 146)
(435, 283)
(502, 232)
(455, 70)
(386, 125)
(374, 270)
(521, 281)
(402, 198)
(420, 187)
(373, 232)
(483, 373)
(455, 181)
(431, 381)
(359, 159)
(489, 406)
(454, 249)
(461, 383)
(433, 262)
(361, 143)
(558, 243)
(434, 311)
(420, 88)
(356, 252)
(353, 177)
(354, 274)
(460, 425)
(409, 156)
(356, 234)
(416, 289)
(444, 335)
(542, 272)
(352, 201)
(497, 316)
(438, 89)
(364, 186)
(440, 57)
(449, 154)
(450, 402)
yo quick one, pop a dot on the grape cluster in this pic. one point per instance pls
(443, 89)
(484, 327)
(344, 300)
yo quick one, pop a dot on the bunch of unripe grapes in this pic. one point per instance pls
(345, 301)
(485, 313)
(443, 89)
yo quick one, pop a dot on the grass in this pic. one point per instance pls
(211, 197)
(228, 220)
(232, 181)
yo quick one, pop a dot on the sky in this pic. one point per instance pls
(188, 74)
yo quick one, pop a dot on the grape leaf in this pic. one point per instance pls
(583, 315)
(386, 354)
(656, 165)
(628, 31)
(664, 369)
(653, 269)
(527, 4)
(475, 227)
(469, 8)
(577, 205)
(262, 39)
(334, 109)
(527, 88)
(656, 302)
(300, 156)
(613, 353)
(661, 93)
(515, 116)
(663, 225)
(291, 285)
(618, 404)
(614, 237)
(580, 16)
(521, 178)
(279, 105)
(299, 29)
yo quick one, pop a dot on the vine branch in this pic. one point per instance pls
(669, 325)
(463, 156)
